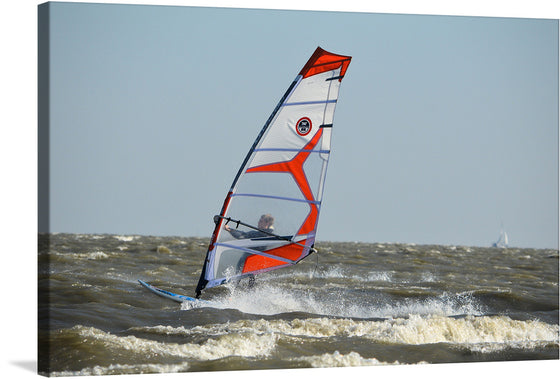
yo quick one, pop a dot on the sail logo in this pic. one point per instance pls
(303, 126)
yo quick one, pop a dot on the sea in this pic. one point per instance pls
(351, 304)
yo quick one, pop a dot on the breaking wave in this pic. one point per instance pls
(119, 369)
(480, 334)
(337, 359)
(239, 344)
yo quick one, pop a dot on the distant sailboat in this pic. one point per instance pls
(502, 241)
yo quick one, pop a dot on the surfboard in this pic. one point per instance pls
(173, 296)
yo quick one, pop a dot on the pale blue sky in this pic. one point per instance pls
(446, 127)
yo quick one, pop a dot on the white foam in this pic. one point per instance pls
(336, 359)
(428, 277)
(443, 305)
(125, 238)
(269, 300)
(470, 330)
(119, 369)
(372, 276)
(331, 273)
(239, 344)
(95, 255)
(380, 276)
(485, 333)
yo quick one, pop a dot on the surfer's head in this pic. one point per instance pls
(266, 221)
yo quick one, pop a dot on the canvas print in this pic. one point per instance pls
(242, 189)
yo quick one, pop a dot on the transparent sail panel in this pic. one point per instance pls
(288, 215)
(314, 168)
(276, 184)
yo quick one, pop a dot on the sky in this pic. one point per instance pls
(446, 128)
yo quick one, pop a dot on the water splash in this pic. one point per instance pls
(268, 298)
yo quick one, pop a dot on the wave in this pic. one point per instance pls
(481, 334)
(372, 276)
(120, 369)
(337, 359)
(165, 348)
(95, 255)
(72, 256)
(238, 344)
(125, 238)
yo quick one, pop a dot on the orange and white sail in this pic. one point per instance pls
(283, 177)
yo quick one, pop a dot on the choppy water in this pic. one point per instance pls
(352, 304)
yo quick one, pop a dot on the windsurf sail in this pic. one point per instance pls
(269, 216)
(502, 240)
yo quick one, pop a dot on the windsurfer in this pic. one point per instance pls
(265, 226)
